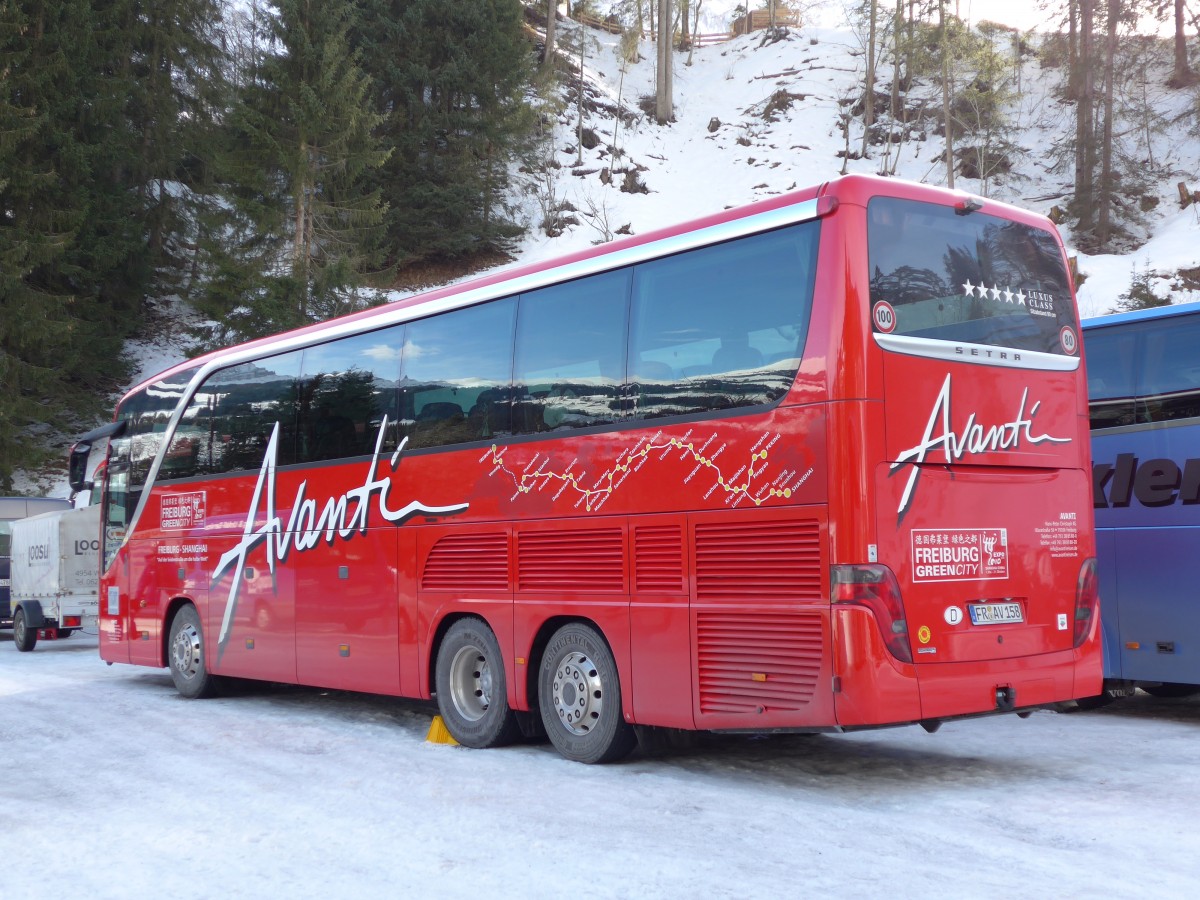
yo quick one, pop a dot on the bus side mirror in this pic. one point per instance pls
(77, 468)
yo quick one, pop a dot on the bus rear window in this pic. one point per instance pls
(975, 278)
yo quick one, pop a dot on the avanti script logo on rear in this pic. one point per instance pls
(974, 438)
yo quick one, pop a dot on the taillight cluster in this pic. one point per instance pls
(875, 587)
(1087, 600)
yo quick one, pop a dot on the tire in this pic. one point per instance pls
(23, 636)
(472, 692)
(65, 632)
(187, 656)
(1166, 691)
(579, 694)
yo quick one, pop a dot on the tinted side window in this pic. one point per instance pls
(229, 421)
(570, 354)
(147, 414)
(1111, 356)
(722, 326)
(457, 374)
(346, 389)
(1170, 388)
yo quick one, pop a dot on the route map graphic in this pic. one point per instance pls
(748, 483)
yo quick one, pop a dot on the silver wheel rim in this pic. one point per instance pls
(471, 683)
(185, 651)
(578, 693)
(19, 629)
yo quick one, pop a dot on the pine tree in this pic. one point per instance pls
(177, 94)
(68, 236)
(291, 245)
(449, 79)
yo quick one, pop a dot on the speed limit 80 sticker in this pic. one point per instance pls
(884, 317)
(1069, 341)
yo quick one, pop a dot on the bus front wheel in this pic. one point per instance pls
(23, 636)
(472, 692)
(579, 694)
(187, 656)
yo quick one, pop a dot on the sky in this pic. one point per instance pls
(119, 788)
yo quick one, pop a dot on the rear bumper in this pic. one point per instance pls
(875, 689)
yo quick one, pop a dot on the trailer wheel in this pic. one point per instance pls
(580, 697)
(186, 656)
(472, 692)
(65, 632)
(23, 636)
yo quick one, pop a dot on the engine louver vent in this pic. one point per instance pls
(658, 559)
(590, 560)
(467, 562)
(760, 560)
(758, 662)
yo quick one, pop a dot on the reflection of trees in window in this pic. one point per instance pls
(245, 402)
(975, 278)
(147, 414)
(907, 284)
(340, 415)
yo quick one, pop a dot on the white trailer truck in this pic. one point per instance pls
(55, 574)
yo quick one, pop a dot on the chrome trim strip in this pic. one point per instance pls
(978, 354)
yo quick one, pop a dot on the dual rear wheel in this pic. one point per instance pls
(579, 692)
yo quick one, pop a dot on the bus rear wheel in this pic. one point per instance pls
(472, 692)
(579, 694)
(187, 656)
(23, 636)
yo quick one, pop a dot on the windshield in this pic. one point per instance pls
(976, 278)
(131, 454)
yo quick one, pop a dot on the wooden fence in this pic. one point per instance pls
(761, 18)
(605, 24)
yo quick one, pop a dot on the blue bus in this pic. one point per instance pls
(11, 509)
(1144, 401)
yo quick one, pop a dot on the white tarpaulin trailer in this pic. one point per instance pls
(55, 574)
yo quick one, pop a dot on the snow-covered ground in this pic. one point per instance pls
(114, 786)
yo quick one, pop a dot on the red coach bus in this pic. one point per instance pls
(818, 464)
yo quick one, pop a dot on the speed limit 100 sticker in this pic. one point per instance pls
(1069, 341)
(884, 316)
